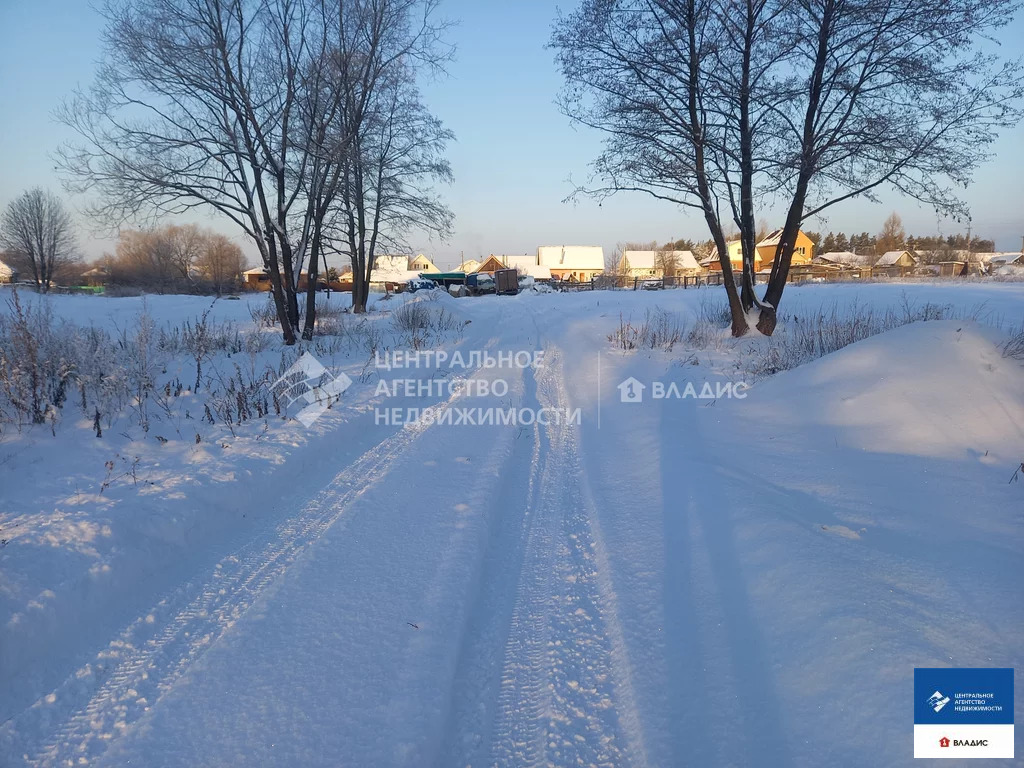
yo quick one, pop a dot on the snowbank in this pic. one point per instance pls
(940, 389)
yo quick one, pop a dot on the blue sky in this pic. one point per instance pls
(514, 153)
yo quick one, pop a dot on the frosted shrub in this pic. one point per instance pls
(659, 330)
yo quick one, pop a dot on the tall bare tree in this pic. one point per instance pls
(728, 103)
(37, 231)
(371, 66)
(888, 93)
(220, 263)
(892, 236)
(395, 147)
(197, 104)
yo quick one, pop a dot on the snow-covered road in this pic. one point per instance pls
(674, 582)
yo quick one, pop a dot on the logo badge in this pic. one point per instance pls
(937, 701)
(308, 383)
(963, 712)
(631, 391)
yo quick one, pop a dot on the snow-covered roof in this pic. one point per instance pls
(649, 259)
(1010, 257)
(889, 258)
(393, 275)
(391, 262)
(774, 237)
(685, 260)
(536, 271)
(641, 259)
(5, 270)
(571, 256)
(517, 261)
(846, 257)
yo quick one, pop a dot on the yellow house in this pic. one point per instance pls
(802, 253)
(735, 248)
(422, 264)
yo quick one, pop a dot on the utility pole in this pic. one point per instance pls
(967, 264)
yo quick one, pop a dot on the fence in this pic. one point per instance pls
(797, 274)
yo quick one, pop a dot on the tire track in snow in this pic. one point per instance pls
(565, 694)
(147, 658)
(477, 679)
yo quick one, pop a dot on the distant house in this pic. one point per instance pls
(643, 264)
(573, 263)
(951, 268)
(469, 265)
(1002, 259)
(844, 259)
(491, 264)
(421, 263)
(803, 251)
(8, 274)
(903, 259)
(388, 262)
(523, 262)
(735, 248)
(97, 276)
(256, 279)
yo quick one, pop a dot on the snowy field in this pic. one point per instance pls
(748, 579)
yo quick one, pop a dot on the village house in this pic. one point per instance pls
(658, 264)
(764, 253)
(572, 263)
(96, 277)
(8, 274)
(491, 264)
(803, 251)
(735, 248)
(895, 264)
(998, 260)
(844, 259)
(422, 264)
(258, 279)
(904, 259)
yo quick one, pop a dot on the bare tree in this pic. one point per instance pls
(220, 263)
(892, 93)
(716, 104)
(644, 73)
(176, 258)
(667, 261)
(37, 231)
(395, 149)
(892, 236)
(197, 104)
(374, 149)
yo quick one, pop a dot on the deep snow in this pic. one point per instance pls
(675, 582)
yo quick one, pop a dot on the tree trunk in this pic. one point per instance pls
(311, 281)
